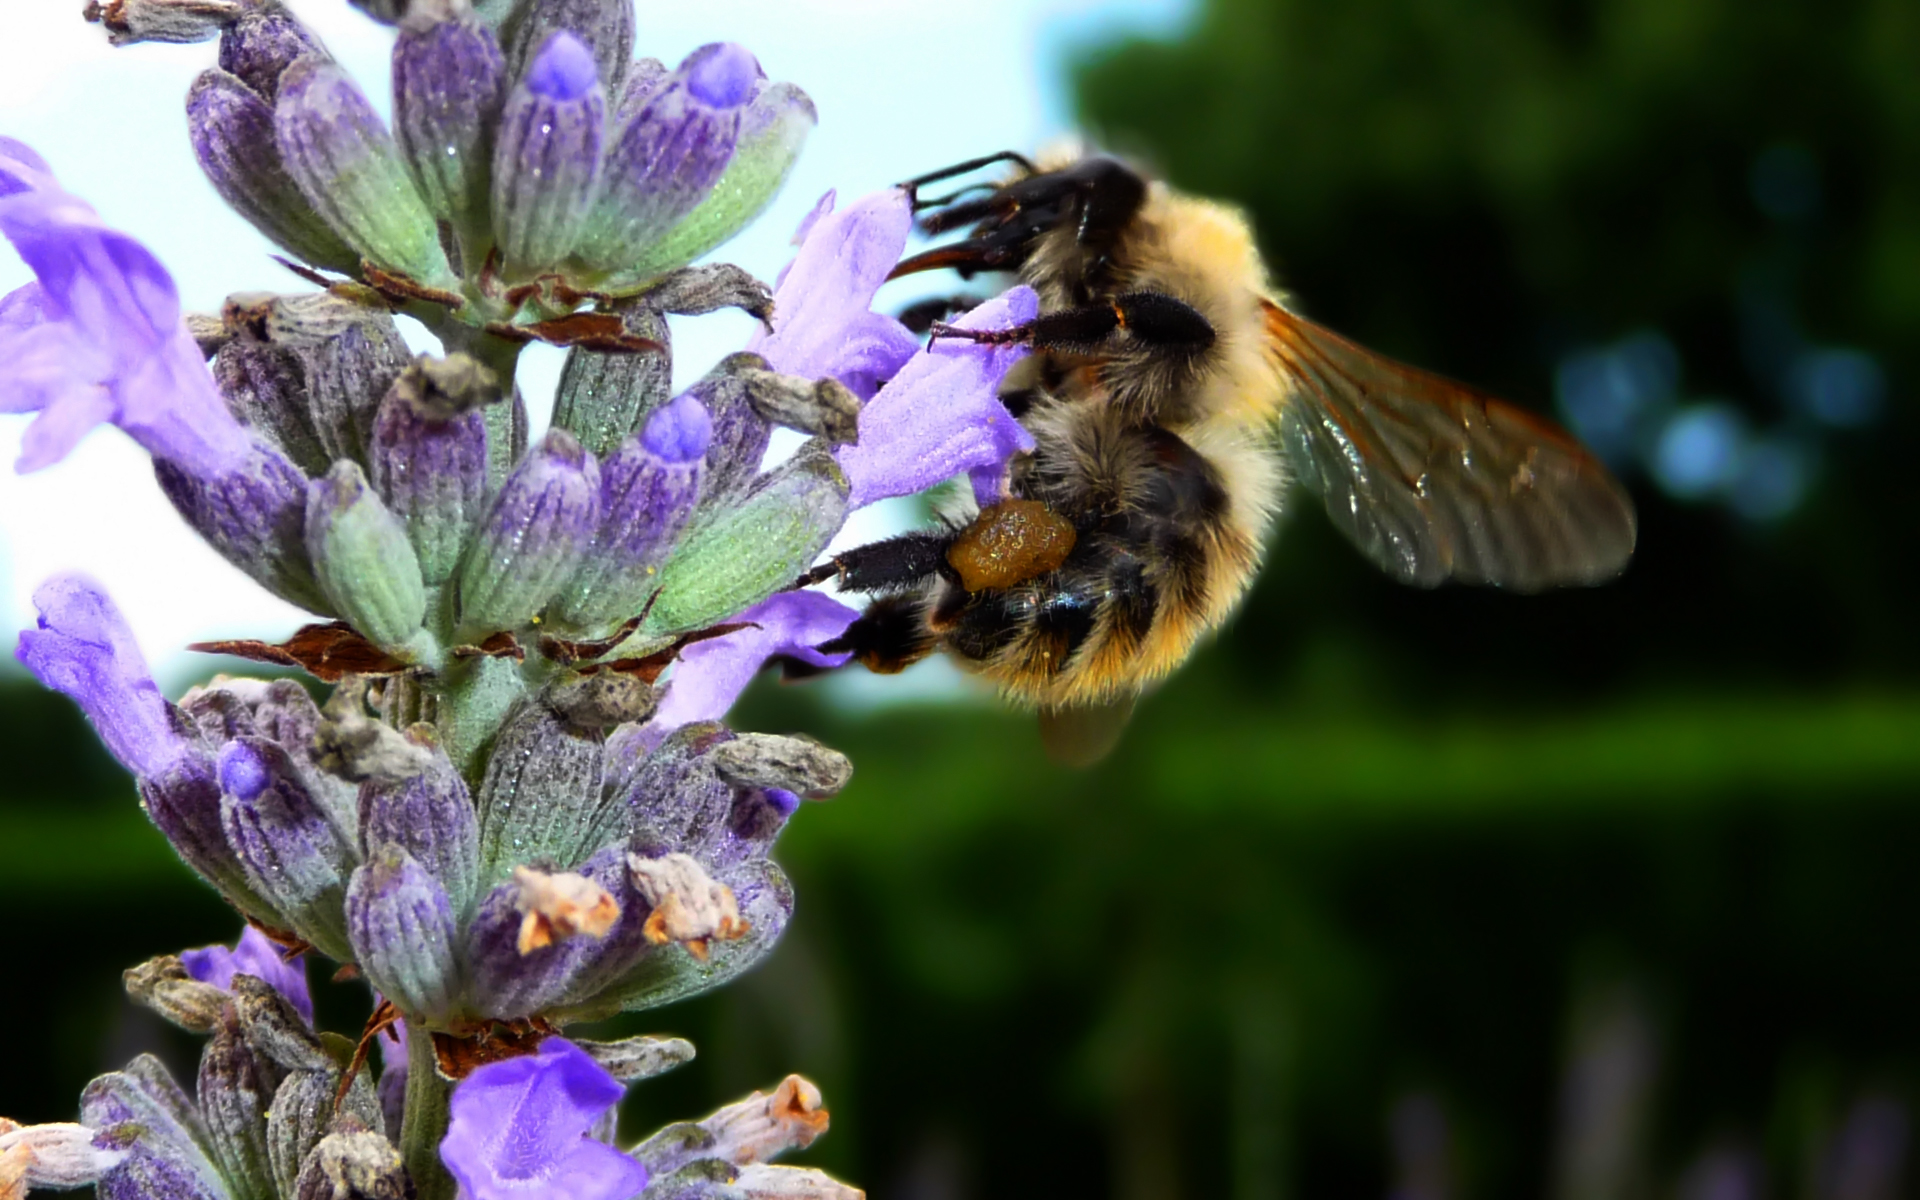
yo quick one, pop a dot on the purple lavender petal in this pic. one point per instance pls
(109, 343)
(710, 675)
(520, 1128)
(252, 955)
(941, 415)
(83, 649)
(822, 319)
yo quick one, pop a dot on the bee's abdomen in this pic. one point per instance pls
(1137, 591)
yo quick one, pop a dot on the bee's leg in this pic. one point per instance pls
(889, 637)
(1151, 318)
(925, 314)
(896, 564)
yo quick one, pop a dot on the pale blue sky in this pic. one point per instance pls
(901, 87)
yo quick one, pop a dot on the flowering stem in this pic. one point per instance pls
(425, 1125)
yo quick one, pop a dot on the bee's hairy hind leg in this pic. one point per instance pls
(889, 637)
(896, 564)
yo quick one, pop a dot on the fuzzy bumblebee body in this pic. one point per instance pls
(1172, 396)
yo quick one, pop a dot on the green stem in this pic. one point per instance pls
(425, 1125)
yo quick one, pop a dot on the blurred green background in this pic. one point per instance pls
(1389, 893)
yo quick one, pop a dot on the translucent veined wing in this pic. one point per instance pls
(1083, 735)
(1435, 481)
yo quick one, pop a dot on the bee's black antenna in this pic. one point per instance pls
(914, 185)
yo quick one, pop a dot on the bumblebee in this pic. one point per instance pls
(1174, 396)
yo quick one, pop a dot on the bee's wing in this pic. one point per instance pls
(1435, 481)
(1084, 734)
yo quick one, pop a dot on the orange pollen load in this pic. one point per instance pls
(1009, 543)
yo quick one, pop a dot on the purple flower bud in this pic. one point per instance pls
(667, 158)
(603, 397)
(508, 983)
(428, 457)
(256, 518)
(647, 493)
(235, 1091)
(772, 130)
(823, 323)
(722, 74)
(449, 81)
(604, 27)
(529, 544)
(645, 78)
(337, 150)
(252, 955)
(679, 433)
(431, 817)
(166, 1156)
(738, 551)
(546, 158)
(184, 804)
(304, 1110)
(540, 794)
(941, 415)
(83, 649)
(520, 1127)
(351, 355)
(563, 71)
(233, 139)
(403, 929)
(676, 802)
(266, 386)
(293, 852)
(740, 435)
(363, 560)
(262, 44)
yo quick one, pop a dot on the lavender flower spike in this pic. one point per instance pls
(83, 649)
(520, 1129)
(823, 323)
(941, 415)
(99, 336)
(252, 955)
